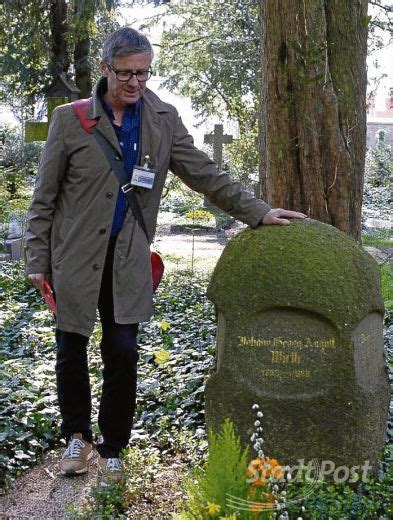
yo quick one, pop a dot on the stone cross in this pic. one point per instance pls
(218, 139)
(300, 333)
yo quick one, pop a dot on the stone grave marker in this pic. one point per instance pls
(217, 139)
(62, 90)
(14, 241)
(300, 333)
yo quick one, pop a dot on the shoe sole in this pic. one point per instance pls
(79, 471)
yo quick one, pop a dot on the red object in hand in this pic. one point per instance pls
(49, 296)
(157, 269)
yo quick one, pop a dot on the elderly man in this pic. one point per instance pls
(84, 238)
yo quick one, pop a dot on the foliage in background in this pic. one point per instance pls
(212, 56)
(378, 237)
(380, 24)
(387, 284)
(17, 154)
(41, 40)
(198, 215)
(18, 164)
(363, 500)
(179, 198)
(379, 165)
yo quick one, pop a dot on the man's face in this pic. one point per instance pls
(122, 93)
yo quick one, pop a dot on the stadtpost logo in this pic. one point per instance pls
(265, 472)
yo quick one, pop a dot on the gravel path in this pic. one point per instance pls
(41, 493)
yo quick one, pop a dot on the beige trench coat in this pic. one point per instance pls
(71, 215)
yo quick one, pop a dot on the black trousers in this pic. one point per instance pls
(119, 352)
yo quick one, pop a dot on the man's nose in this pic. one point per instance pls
(133, 80)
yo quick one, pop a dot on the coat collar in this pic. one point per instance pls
(152, 106)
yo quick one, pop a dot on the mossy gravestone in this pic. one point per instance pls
(300, 333)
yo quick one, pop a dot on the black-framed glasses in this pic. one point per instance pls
(126, 75)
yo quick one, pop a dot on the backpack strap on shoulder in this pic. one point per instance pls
(80, 107)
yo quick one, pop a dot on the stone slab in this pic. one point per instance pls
(300, 332)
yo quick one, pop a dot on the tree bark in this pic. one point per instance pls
(60, 61)
(313, 108)
(82, 67)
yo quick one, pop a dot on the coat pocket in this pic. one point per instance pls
(60, 229)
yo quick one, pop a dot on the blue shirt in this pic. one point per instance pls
(128, 136)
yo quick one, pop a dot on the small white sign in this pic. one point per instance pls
(143, 177)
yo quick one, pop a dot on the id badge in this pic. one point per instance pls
(143, 177)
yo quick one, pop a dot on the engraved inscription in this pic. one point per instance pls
(297, 343)
(302, 373)
(290, 353)
(285, 357)
(285, 352)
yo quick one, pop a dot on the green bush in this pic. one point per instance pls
(223, 473)
(379, 165)
(18, 160)
(16, 154)
(179, 198)
(198, 215)
(387, 284)
(378, 238)
(360, 501)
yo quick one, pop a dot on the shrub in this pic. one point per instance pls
(199, 215)
(379, 165)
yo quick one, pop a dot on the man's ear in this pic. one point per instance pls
(104, 69)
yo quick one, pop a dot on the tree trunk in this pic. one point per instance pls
(82, 67)
(58, 24)
(82, 49)
(313, 108)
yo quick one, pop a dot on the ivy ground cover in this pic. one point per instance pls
(176, 356)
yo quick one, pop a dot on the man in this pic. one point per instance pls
(84, 238)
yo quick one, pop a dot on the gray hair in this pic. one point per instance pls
(125, 41)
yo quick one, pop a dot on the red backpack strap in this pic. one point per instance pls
(80, 107)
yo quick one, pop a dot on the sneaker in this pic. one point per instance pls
(76, 457)
(110, 471)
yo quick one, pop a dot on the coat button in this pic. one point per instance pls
(96, 267)
(109, 195)
(102, 231)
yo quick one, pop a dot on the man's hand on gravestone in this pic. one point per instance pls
(281, 216)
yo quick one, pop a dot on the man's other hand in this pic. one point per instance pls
(37, 279)
(281, 216)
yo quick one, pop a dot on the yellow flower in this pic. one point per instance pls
(277, 472)
(164, 325)
(161, 356)
(260, 481)
(251, 472)
(256, 463)
(212, 509)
